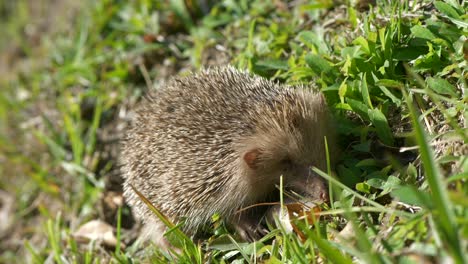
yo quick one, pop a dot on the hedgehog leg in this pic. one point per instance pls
(249, 227)
(153, 230)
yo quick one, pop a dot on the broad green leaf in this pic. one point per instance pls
(409, 53)
(380, 123)
(353, 52)
(384, 83)
(382, 37)
(318, 64)
(363, 43)
(390, 95)
(367, 163)
(390, 83)
(441, 86)
(363, 147)
(363, 187)
(376, 183)
(347, 176)
(447, 9)
(413, 196)
(343, 106)
(372, 37)
(422, 32)
(358, 107)
(390, 184)
(347, 66)
(313, 41)
(343, 88)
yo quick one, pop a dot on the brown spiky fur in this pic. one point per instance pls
(217, 141)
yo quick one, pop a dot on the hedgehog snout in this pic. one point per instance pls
(311, 186)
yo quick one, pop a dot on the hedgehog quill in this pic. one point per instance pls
(218, 141)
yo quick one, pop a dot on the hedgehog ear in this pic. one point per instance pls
(251, 158)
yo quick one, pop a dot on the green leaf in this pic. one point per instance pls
(441, 86)
(390, 83)
(343, 88)
(347, 176)
(275, 64)
(363, 187)
(343, 106)
(318, 64)
(380, 123)
(376, 183)
(368, 163)
(307, 37)
(409, 53)
(363, 43)
(353, 52)
(446, 9)
(457, 177)
(365, 91)
(413, 196)
(384, 83)
(422, 32)
(363, 147)
(358, 107)
(314, 42)
(390, 184)
(353, 18)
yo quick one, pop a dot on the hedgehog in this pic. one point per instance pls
(218, 141)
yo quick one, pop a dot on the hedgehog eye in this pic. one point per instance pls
(295, 122)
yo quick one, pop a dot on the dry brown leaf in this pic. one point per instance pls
(295, 211)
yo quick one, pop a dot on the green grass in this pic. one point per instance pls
(394, 76)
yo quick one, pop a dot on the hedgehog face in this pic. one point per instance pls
(265, 173)
(288, 144)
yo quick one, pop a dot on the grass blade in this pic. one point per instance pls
(443, 215)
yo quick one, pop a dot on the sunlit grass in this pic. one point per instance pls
(393, 75)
